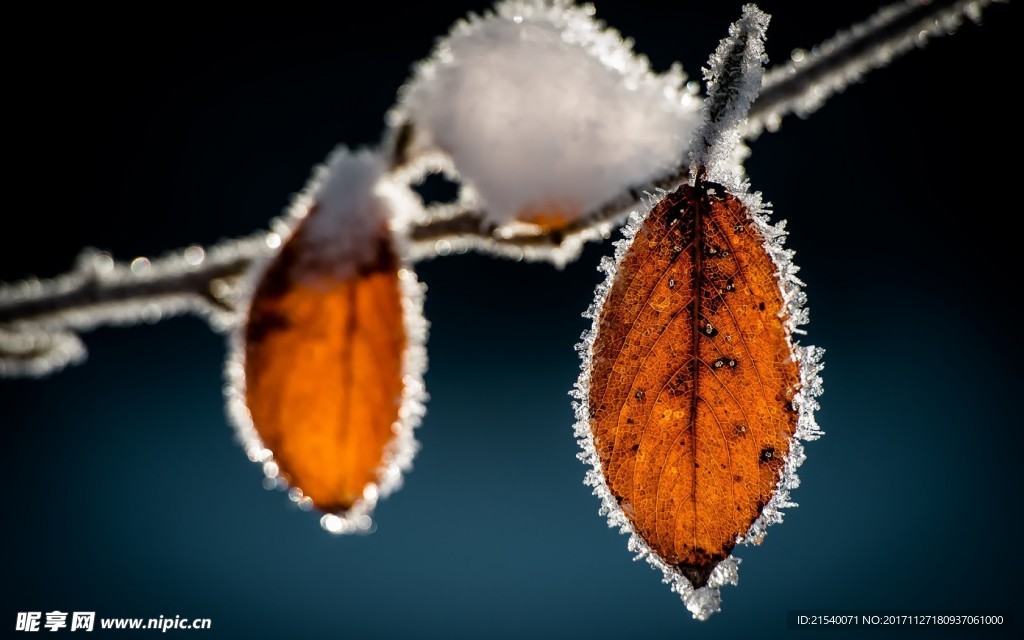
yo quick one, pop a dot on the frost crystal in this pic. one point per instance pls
(544, 112)
(733, 76)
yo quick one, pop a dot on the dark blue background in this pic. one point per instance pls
(126, 494)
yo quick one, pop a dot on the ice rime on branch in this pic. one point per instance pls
(811, 77)
(733, 76)
(40, 319)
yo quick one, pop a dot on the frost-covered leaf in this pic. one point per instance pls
(693, 396)
(327, 373)
(544, 113)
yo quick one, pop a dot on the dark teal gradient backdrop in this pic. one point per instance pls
(126, 494)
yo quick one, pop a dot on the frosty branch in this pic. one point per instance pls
(40, 320)
(811, 77)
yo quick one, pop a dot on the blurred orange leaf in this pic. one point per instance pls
(323, 370)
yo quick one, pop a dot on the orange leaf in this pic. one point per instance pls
(550, 216)
(690, 399)
(324, 357)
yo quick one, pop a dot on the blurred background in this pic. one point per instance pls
(127, 495)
